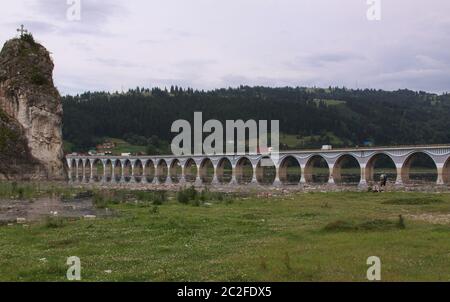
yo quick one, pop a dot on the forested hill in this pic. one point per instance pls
(339, 116)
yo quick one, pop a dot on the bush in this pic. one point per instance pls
(159, 197)
(191, 193)
(154, 210)
(204, 195)
(196, 203)
(182, 197)
(28, 38)
(37, 78)
(401, 222)
(54, 222)
(339, 225)
(99, 201)
(188, 195)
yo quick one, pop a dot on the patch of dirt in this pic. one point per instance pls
(431, 218)
(35, 210)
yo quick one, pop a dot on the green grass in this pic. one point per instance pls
(304, 237)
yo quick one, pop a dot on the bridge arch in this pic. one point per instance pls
(244, 170)
(378, 164)
(224, 171)
(162, 171)
(149, 171)
(190, 170)
(207, 171)
(419, 168)
(81, 169)
(138, 171)
(117, 170)
(87, 170)
(97, 170)
(175, 171)
(290, 170)
(108, 170)
(266, 171)
(127, 170)
(347, 170)
(317, 170)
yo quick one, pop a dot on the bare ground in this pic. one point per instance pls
(37, 209)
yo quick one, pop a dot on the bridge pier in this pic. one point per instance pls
(331, 176)
(215, 179)
(254, 180)
(440, 174)
(363, 180)
(302, 174)
(399, 180)
(277, 181)
(233, 175)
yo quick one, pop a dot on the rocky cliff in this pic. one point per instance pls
(30, 113)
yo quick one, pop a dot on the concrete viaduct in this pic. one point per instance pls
(202, 169)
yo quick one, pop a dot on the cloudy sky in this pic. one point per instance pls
(208, 44)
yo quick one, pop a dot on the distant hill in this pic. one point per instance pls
(309, 117)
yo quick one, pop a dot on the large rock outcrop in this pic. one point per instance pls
(30, 113)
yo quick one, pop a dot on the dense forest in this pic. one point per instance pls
(340, 116)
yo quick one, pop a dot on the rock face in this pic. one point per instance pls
(31, 113)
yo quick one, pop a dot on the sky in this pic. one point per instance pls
(205, 44)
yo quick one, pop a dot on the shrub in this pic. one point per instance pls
(37, 78)
(196, 203)
(204, 195)
(154, 210)
(54, 222)
(100, 201)
(28, 38)
(401, 222)
(339, 225)
(182, 197)
(191, 193)
(159, 197)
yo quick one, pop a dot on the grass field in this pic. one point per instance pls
(304, 237)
